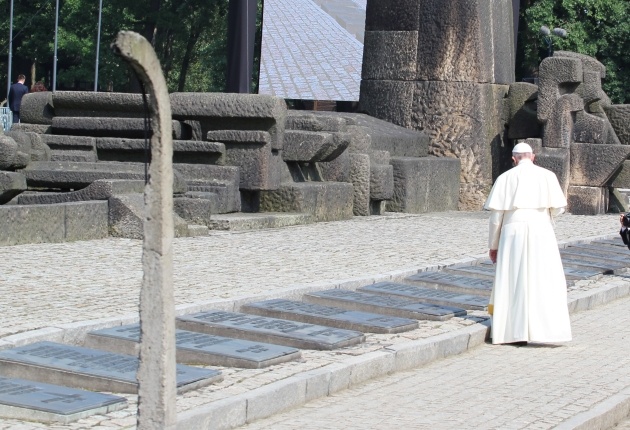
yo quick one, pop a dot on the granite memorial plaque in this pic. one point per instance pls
(571, 273)
(452, 283)
(270, 330)
(198, 348)
(617, 242)
(379, 304)
(88, 368)
(330, 316)
(22, 399)
(615, 251)
(479, 272)
(573, 261)
(438, 297)
(597, 255)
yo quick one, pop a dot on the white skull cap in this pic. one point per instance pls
(521, 148)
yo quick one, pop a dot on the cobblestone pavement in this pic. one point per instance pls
(49, 285)
(45, 285)
(490, 387)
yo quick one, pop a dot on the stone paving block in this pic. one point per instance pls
(390, 55)
(223, 414)
(593, 165)
(414, 177)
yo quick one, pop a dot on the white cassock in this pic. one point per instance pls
(529, 296)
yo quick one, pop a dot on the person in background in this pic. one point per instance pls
(38, 86)
(16, 92)
(529, 296)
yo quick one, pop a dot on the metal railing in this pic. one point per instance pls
(6, 117)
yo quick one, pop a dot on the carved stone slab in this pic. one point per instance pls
(614, 242)
(429, 295)
(35, 401)
(615, 251)
(271, 330)
(89, 369)
(198, 348)
(383, 305)
(330, 316)
(453, 283)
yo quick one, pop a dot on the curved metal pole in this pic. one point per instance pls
(156, 371)
(98, 44)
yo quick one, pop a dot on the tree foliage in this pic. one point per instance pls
(598, 28)
(189, 37)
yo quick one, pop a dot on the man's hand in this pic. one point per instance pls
(493, 255)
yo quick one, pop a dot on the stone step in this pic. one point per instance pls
(258, 221)
(89, 369)
(386, 305)
(197, 348)
(21, 399)
(452, 283)
(72, 155)
(269, 330)
(428, 295)
(330, 316)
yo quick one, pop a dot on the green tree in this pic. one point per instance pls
(598, 28)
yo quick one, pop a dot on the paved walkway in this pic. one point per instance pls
(490, 387)
(47, 290)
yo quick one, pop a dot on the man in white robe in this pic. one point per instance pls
(529, 297)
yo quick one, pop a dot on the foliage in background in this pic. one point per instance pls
(598, 28)
(189, 37)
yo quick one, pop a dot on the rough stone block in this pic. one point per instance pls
(621, 178)
(216, 111)
(522, 116)
(381, 181)
(64, 142)
(97, 104)
(31, 144)
(101, 189)
(298, 120)
(310, 146)
(593, 165)
(327, 201)
(379, 156)
(556, 77)
(590, 128)
(619, 117)
(11, 184)
(52, 223)
(557, 160)
(390, 55)
(36, 108)
(454, 41)
(126, 217)
(392, 15)
(502, 37)
(86, 221)
(33, 128)
(558, 130)
(587, 200)
(222, 180)
(195, 208)
(360, 178)
(337, 170)
(111, 127)
(12, 155)
(388, 100)
(184, 151)
(429, 184)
